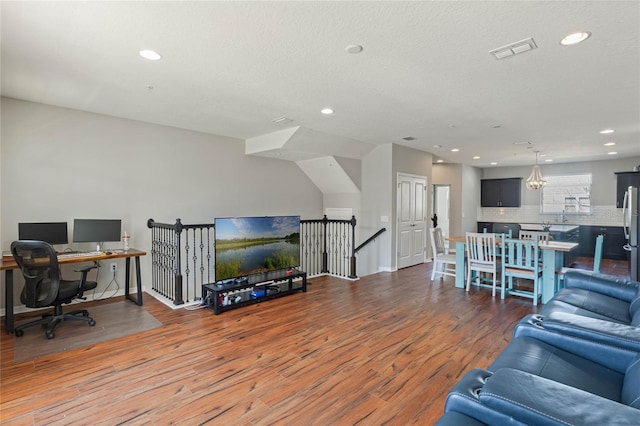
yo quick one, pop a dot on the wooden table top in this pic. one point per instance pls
(549, 245)
(11, 264)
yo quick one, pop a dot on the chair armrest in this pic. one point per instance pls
(600, 283)
(573, 335)
(535, 400)
(86, 269)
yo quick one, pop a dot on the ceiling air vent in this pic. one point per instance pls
(409, 138)
(281, 120)
(514, 48)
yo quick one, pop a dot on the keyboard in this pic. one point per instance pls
(79, 254)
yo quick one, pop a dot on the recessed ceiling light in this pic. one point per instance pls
(493, 163)
(440, 161)
(150, 55)
(476, 158)
(575, 38)
(548, 160)
(327, 111)
(455, 150)
(612, 153)
(609, 144)
(606, 131)
(353, 48)
(437, 146)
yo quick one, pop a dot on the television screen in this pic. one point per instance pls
(252, 245)
(51, 232)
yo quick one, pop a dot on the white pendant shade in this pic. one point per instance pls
(535, 179)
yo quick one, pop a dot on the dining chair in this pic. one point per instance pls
(597, 260)
(441, 259)
(521, 259)
(481, 257)
(530, 235)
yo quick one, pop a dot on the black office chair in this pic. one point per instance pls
(44, 287)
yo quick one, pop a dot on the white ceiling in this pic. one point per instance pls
(230, 68)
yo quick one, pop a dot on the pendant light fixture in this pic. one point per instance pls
(535, 179)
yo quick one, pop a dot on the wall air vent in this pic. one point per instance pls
(514, 48)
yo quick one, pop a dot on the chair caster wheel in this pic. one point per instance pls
(85, 314)
(19, 333)
(92, 323)
(50, 334)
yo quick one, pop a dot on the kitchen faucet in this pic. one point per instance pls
(563, 218)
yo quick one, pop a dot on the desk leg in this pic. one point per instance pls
(551, 260)
(460, 277)
(8, 300)
(138, 300)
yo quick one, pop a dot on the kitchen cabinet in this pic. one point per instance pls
(613, 241)
(624, 180)
(500, 192)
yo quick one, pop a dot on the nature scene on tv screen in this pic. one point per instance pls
(252, 245)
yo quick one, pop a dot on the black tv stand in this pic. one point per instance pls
(229, 294)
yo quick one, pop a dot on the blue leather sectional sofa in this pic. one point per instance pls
(576, 362)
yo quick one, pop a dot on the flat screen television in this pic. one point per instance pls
(252, 245)
(51, 232)
(96, 231)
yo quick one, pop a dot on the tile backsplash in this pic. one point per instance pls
(600, 215)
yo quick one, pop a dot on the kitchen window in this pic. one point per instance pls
(567, 194)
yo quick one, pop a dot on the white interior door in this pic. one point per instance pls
(441, 205)
(412, 221)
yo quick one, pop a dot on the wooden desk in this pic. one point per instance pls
(552, 259)
(9, 266)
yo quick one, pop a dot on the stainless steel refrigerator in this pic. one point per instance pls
(632, 228)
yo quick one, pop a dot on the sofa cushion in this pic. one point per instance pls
(588, 303)
(538, 358)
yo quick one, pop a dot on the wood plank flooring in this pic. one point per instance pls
(382, 350)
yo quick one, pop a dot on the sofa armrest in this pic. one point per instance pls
(572, 334)
(600, 283)
(535, 400)
(463, 399)
(625, 336)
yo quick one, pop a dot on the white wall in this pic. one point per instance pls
(377, 184)
(60, 164)
(470, 198)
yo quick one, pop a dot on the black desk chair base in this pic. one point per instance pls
(52, 320)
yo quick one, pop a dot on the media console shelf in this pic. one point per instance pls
(230, 294)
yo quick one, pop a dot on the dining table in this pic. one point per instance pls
(552, 259)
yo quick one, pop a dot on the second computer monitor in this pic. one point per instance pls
(96, 231)
(51, 232)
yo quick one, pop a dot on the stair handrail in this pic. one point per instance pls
(371, 238)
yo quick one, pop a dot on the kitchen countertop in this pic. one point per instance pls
(553, 228)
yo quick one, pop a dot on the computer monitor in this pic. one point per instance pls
(51, 232)
(96, 231)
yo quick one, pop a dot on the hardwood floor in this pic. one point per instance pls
(382, 350)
